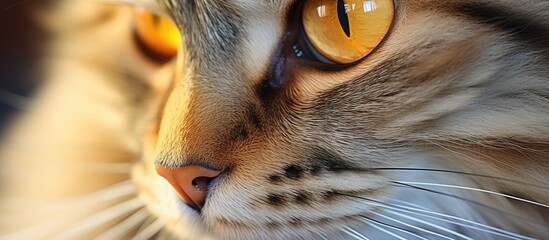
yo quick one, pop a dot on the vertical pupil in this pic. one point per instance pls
(343, 18)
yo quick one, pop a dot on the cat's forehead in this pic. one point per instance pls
(244, 4)
(216, 32)
(220, 7)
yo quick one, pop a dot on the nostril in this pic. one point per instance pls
(202, 184)
(190, 182)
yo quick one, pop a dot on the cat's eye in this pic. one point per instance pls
(345, 31)
(157, 34)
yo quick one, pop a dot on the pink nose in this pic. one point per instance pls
(190, 182)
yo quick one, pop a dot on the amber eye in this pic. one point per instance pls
(345, 31)
(157, 34)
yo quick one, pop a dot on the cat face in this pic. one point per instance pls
(299, 143)
(259, 130)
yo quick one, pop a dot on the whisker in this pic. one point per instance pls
(114, 168)
(353, 233)
(442, 216)
(81, 148)
(412, 226)
(469, 201)
(379, 227)
(401, 184)
(477, 190)
(118, 231)
(45, 228)
(98, 219)
(433, 225)
(10, 172)
(463, 173)
(148, 221)
(409, 204)
(471, 227)
(322, 236)
(111, 193)
(149, 231)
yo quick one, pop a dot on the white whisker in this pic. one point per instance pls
(378, 227)
(454, 196)
(431, 225)
(118, 231)
(353, 233)
(148, 221)
(322, 236)
(100, 218)
(443, 171)
(113, 168)
(111, 193)
(10, 171)
(503, 233)
(64, 213)
(429, 214)
(409, 204)
(477, 190)
(149, 231)
(412, 226)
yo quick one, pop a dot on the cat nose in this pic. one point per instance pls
(190, 182)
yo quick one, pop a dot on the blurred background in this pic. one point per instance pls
(21, 39)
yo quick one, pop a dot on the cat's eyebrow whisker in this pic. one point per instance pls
(354, 233)
(442, 217)
(460, 173)
(124, 227)
(411, 226)
(151, 230)
(100, 218)
(477, 190)
(381, 227)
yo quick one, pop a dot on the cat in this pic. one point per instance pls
(439, 132)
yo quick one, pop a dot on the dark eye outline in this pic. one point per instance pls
(304, 45)
(304, 49)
